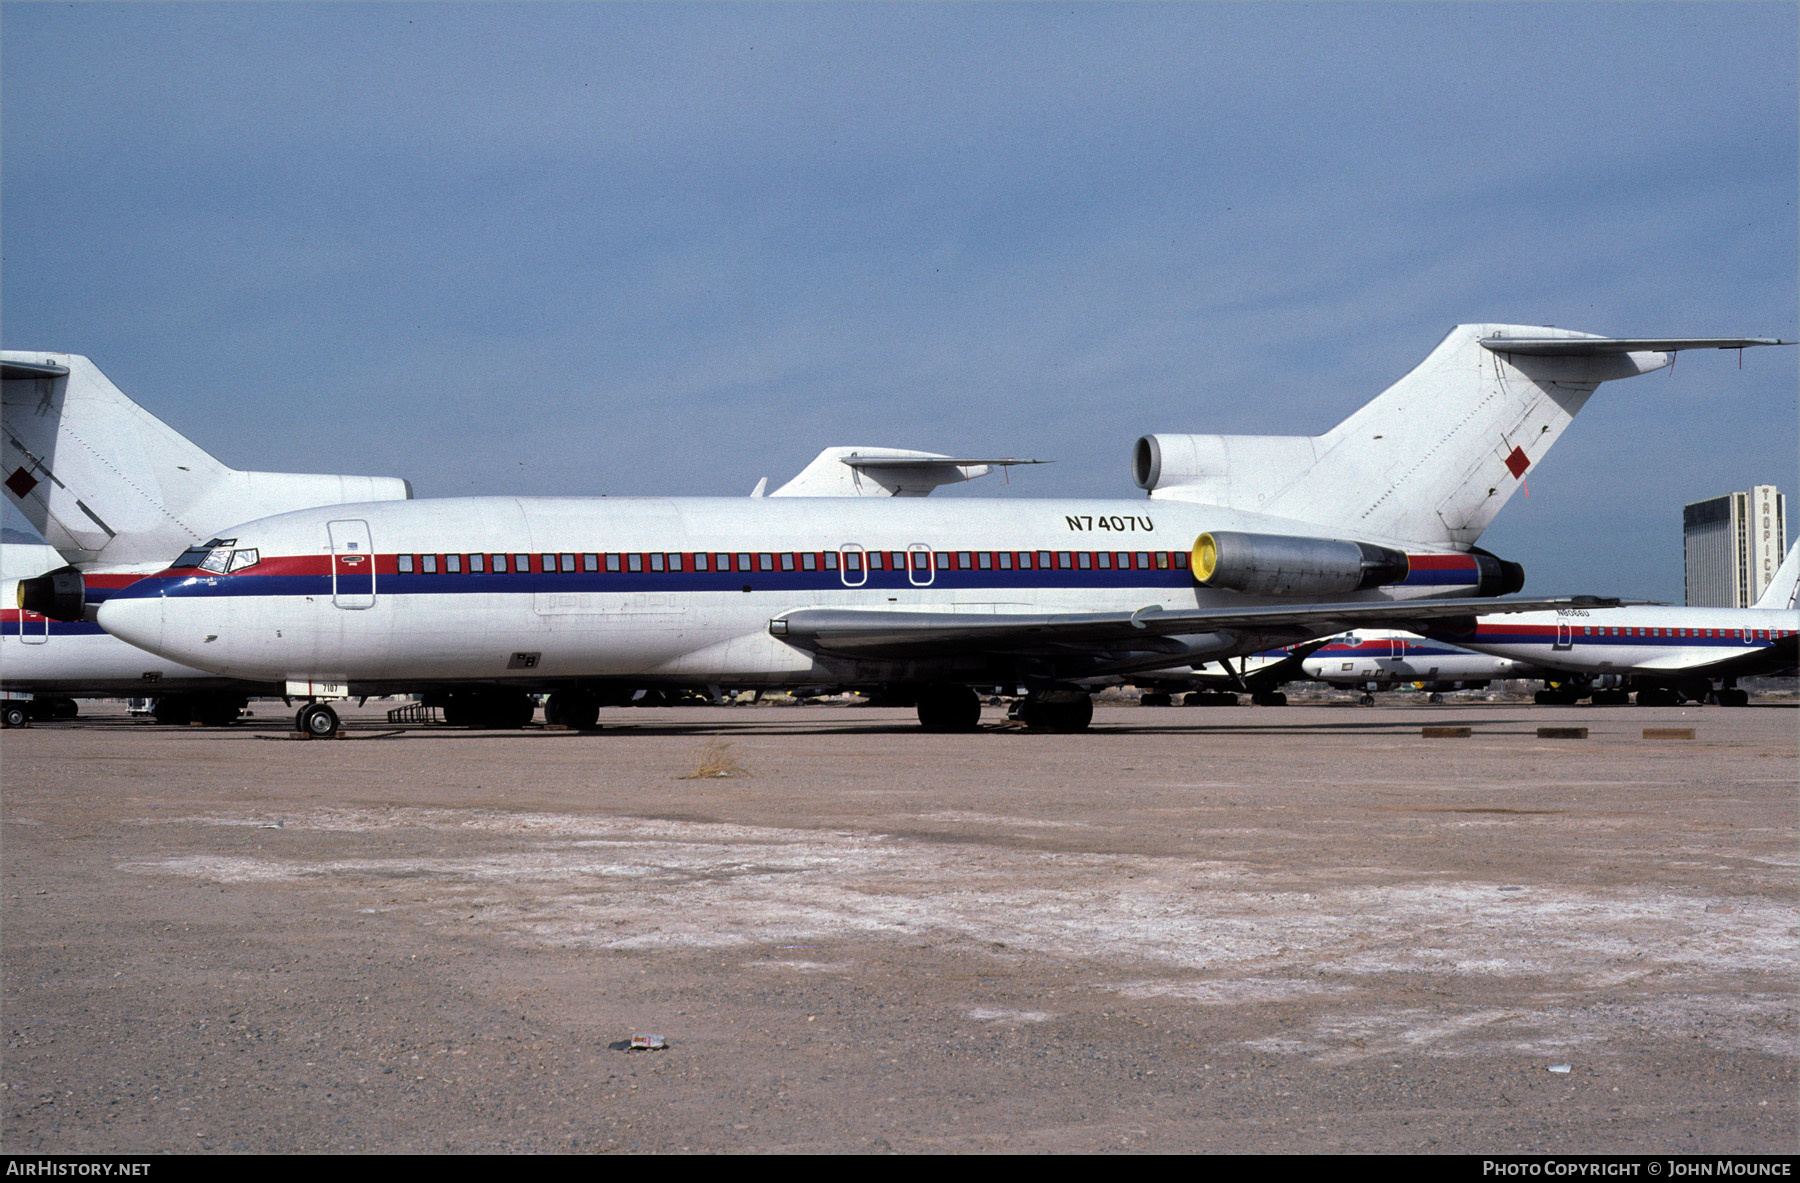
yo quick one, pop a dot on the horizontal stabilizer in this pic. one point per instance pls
(934, 462)
(10, 370)
(886, 472)
(1602, 346)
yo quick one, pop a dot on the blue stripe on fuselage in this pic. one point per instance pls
(466, 583)
(57, 628)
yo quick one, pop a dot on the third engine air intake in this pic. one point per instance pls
(1280, 565)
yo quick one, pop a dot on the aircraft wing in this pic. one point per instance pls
(878, 632)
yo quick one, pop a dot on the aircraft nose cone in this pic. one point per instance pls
(136, 621)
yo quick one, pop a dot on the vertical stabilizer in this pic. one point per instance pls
(105, 481)
(1784, 589)
(1435, 456)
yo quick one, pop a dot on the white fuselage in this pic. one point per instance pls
(77, 658)
(666, 590)
(1389, 657)
(1652, 640)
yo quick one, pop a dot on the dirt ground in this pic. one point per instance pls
(1245, 929)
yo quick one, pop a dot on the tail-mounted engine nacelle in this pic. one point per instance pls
(1220, 469)
(1279, 565)
(60, 594)
(1499, 577)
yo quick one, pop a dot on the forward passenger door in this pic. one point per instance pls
(352, 564)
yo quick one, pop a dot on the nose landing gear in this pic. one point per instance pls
(316, 720)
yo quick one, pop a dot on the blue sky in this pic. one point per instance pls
(674, 248)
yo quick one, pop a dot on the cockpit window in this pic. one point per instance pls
(243, 558)
(215, 551)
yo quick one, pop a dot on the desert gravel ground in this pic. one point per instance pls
(1247, 929)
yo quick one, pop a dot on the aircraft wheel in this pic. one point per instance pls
(1155, 698)
(499, 710)
(220, 710)
(1434, 696)
(515, 711)
(577, 710)
(1275, 698)
(43, 710)
(1060, 716)
(173, 710)
(14, 714)
(317, 720)
(1073, 716)
(949, 708)
(1734, 697)
(1367, 700)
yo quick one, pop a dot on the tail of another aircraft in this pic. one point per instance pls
(1435, 456)
(1784, 589)
(105, 481)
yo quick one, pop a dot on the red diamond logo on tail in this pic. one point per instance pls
(1517, 462)
(21, 483)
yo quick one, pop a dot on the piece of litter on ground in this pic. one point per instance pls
(647, 1043)
(1512, 889)
(1561, 1068)
(268, 825)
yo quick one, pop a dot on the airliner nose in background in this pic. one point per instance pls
(116, 491)
(1245, 543)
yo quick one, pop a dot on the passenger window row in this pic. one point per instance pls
(1759, 634)
(556, 562)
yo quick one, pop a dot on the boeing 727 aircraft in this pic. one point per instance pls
(1664, 653)
(1244, 543)
(115, 490)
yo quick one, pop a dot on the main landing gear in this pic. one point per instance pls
(486, 707)
(949, 708)
(1062, 711)
(578, 710)
(214, 710)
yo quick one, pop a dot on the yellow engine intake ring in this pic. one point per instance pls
(1206, 557)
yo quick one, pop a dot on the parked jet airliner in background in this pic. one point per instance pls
(115, 491)
(1380, 659)
(1245, 543)
(1664, 653)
